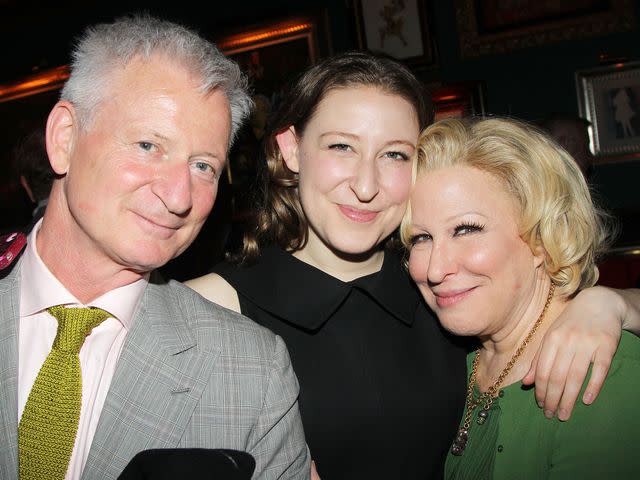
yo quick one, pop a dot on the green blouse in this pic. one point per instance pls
(599, 440)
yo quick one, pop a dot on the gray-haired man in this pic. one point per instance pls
(138, 142)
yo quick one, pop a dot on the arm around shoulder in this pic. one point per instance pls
(216, 289)
(277, 442)
(631, 309)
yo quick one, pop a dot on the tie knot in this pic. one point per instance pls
(74, 324)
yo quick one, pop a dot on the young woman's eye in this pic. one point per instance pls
(419, 238)
(397, 155)
(466, 228)
(341, 147)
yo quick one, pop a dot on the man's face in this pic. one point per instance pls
(143, 177)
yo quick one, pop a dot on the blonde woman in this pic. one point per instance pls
(502, 234)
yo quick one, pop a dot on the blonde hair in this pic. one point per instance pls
(556, 209)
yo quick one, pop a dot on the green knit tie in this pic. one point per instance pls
(49, 422)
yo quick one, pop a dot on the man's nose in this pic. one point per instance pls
(173, 187)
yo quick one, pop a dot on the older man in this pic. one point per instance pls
(98, 361)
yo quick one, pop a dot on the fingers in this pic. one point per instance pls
(576, 375)
(599, 373)
(555, 381)
(544, 364)
(560, 373)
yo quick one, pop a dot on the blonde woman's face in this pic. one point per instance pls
(354, 165)
(467, 257)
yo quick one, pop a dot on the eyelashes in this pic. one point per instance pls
(468, 227)
(393, 155)
(419, 238)
(463, 229)
(341, 147)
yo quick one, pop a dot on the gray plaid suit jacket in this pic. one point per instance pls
(191, 374)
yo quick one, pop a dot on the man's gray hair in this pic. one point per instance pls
(107, 46)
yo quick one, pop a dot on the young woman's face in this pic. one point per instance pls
(354, 165)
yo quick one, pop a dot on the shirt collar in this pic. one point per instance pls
(40, 289)
(279, 275)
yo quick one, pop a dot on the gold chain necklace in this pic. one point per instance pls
(460, 442)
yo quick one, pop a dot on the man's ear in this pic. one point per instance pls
(288, 144)
(60, 136)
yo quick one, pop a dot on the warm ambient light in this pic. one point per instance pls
(54, 79)
(261, 35)
(447, 98)
(37, 83)
(624, 251)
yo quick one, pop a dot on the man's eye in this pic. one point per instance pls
(146, 146)
(204, 167)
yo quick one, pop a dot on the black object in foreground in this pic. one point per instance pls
(192, 463)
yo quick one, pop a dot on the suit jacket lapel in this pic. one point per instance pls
(9, 318)
(158, 381)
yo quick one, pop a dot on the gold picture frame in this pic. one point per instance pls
(492, 27)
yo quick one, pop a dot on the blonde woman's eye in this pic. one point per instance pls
(419, 238)
(467, 228)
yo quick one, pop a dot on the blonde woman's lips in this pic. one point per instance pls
(452, 297)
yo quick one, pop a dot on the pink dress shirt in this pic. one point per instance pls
(39, 290)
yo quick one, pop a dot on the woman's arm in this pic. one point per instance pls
(587, 333)
(630, 310)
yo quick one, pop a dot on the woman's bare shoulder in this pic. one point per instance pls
(216, 289)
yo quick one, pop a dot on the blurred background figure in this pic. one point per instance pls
(33, 171)
(572, 133)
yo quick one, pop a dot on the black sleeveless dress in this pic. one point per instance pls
(381, 385)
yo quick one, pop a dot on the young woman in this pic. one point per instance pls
(382, 386)
(502, 233)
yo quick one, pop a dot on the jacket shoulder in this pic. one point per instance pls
(218, 325)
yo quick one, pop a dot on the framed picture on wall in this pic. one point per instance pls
(399, 28)
(498, 26)
(609, 97)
